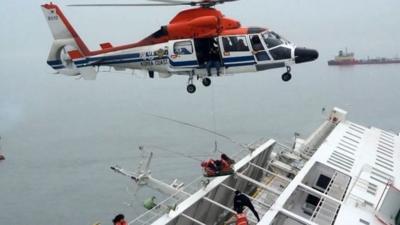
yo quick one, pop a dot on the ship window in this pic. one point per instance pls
(312, 199)
(323, 182)
(310, 204)
(256, 43)
(272, 39)
(183, 48)
(235, 44)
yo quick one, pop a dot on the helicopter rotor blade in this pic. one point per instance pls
(122, 5)
(204, 3)
(194, 3)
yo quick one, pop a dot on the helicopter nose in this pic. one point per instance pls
(305, 55)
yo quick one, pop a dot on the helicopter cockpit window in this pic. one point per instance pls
(183, 48)
(280, 53)
(272, 39)
(256, 43)
(235, 44)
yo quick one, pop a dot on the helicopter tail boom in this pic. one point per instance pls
(68, 54)
(61, 28)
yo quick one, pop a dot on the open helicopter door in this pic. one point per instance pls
(182, 54)
(236, 54)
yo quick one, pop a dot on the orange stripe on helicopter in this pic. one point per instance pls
(75, 54)
(106, 45)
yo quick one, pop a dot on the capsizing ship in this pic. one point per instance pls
(345, 58)
(343, 173)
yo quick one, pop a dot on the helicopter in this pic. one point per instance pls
(183, 47)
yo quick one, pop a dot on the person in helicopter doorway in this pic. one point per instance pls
(213, 58)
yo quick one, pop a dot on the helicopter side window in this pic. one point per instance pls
(183, 48)
(235, 44)
(256, 43)
(272, 39)
(227, 44)
(280, 53)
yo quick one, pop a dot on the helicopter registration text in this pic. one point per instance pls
(155, 62)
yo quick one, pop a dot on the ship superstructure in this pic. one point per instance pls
(343, 58)
(343, 173)
(347, 58)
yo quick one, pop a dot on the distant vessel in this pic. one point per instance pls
(347, 58)
(1, 156)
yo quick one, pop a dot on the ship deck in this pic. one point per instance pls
(344, 173)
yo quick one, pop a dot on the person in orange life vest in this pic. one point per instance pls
(119, 220)
(240, 218)
(224, 164)
(227, 159)
(209, 167)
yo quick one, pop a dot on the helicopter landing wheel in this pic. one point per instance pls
(191, 88)
(206, 82)
(286, 76)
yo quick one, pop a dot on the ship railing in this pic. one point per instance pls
(272, 174)
(365, 185)
(254, 145)
(168, 204)
(315, 140)
(325, 212)
(255, 200)
(360, 202)
(249, 148)
(337, 186)
(258, 142)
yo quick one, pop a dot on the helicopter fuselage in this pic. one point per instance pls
(184, 56)
(182, 47)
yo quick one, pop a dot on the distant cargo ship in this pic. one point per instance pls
(347, 58)
(2, 157)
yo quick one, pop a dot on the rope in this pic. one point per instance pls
(174, 152)
(200, 128)
(214, 119)
(140, 107)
